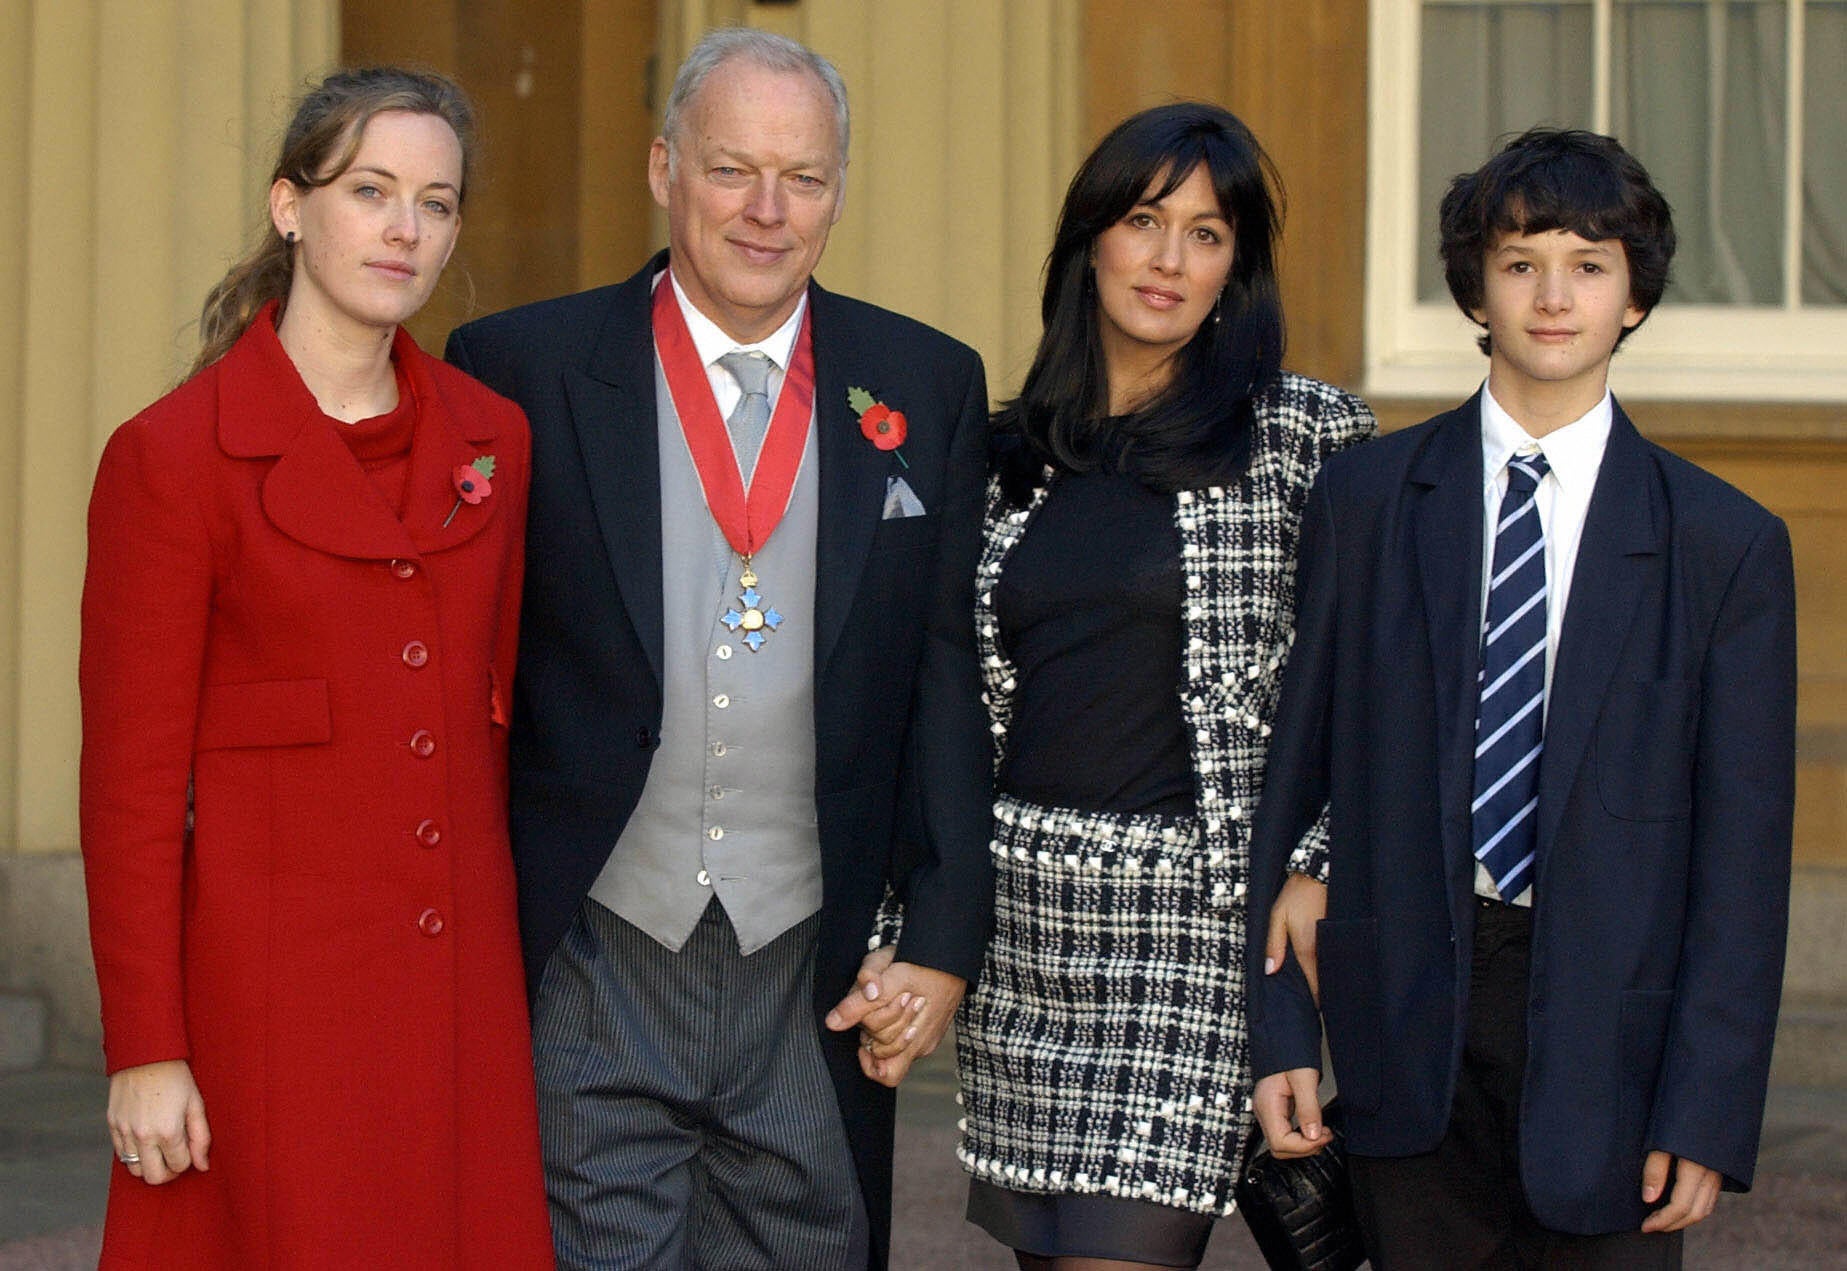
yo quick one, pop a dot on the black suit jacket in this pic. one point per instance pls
(902, 781)
(1665, 807)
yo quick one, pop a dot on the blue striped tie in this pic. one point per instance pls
(1510, 717)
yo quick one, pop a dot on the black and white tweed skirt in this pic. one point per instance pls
(1103, 1049)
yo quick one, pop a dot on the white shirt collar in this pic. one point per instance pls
(1574, 452)
(712, 343)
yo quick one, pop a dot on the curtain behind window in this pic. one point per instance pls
(1697, 93)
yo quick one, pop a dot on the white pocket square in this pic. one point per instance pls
(900, 500)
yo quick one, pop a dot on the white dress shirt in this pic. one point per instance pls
(1574, 453)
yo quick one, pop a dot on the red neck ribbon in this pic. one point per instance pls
(746, 518)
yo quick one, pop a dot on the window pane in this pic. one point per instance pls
(1824, 154)
(1698, 94)
(1488, 70)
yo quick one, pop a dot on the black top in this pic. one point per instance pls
(1089, 607)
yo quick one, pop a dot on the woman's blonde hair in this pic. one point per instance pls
(319, 145)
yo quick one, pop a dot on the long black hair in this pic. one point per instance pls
(1197, 431)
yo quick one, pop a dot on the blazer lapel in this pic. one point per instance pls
(852, 473)
(614, 417)
(1448, 532)
(1625, 529)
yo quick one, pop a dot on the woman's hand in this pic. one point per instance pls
(1302, 903)
(157, 1120)
(902, 1011)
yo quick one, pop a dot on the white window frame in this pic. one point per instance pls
(1782, 353)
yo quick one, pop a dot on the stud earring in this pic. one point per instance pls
(289, 238)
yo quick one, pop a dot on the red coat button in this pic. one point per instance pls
(404, 568)
(423, 743)
(430, 923)
(416, 653)
(428, 833)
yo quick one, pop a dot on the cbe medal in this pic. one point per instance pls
(747, 518)
(756, 618)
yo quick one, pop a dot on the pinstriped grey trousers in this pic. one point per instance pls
(685, 1110)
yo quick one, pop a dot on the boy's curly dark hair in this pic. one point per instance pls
(1549, 179)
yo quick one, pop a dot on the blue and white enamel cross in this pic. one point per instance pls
(755, 619)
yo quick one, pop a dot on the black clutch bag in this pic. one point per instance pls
(1300, 1212)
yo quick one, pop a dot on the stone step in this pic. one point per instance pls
(1811, 1041)
(24, 1022)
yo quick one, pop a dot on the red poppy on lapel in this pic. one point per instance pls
(882, 426)
(471, 484)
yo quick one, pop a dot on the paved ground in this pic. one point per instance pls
(54, 1171)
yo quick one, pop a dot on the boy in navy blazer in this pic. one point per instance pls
(1544, 685)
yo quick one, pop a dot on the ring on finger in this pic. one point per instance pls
(128, 1158)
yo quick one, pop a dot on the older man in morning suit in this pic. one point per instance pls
(747, 699)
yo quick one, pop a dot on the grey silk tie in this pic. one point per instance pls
(750, 418)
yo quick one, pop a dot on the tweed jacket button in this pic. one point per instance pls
(430, 922)
(415, 654)
(404, 568)
(428, 832)
(423, 743)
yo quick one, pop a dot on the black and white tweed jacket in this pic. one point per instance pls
(1170, 1129)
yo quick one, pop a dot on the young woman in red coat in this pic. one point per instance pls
(299, 623)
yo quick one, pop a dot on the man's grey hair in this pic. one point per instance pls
(764, 48)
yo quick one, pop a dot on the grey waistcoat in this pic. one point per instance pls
(728, 808)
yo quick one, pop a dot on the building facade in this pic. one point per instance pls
(135, 140)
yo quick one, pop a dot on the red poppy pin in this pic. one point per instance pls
(473, 482)
(882, 426)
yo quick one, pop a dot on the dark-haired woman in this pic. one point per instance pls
(299, 622)
(1135, 603)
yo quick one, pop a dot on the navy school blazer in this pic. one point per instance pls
(1665, 812)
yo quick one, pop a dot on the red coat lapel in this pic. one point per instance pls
(316, 492)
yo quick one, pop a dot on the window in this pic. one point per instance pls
(1737, 107)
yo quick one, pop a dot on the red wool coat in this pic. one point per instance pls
(334, 946)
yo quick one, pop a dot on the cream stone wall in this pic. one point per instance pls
(135, 136)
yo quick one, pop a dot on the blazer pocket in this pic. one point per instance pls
(1348, 956)
(902, 533)
(264, 713)
(1645, 739)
